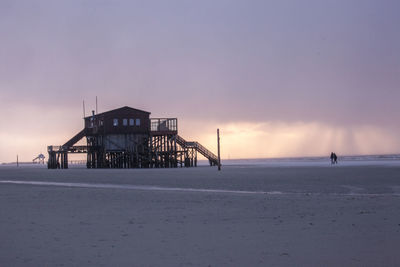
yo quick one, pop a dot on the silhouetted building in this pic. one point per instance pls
(129, 138)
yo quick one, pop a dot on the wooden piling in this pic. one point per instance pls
(219, 154)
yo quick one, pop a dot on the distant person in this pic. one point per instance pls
(332, 158)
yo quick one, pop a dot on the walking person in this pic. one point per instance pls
(332, 158)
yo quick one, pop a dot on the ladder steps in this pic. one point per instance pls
(199, 148)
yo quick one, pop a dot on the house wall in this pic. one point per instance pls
(104, 123)
(122, 142)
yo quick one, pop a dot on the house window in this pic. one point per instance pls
(131, 122)
(137, 122)
(125, 122)
(115, 122)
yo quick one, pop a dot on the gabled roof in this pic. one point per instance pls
(125, 108)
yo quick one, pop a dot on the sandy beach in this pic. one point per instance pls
(241, 216)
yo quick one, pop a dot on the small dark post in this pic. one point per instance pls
(84, 115)
(219, 154)
(83, 105)
(17, 162)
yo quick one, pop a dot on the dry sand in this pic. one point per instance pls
(301, 216)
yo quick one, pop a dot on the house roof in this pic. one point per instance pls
(125, 108)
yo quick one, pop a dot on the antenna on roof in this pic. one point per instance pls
(84, 114)
(96, 104)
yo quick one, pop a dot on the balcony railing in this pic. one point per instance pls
(164, 125)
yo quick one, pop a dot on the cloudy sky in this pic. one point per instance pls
(279, 78)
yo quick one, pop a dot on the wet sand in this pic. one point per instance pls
(242, 216)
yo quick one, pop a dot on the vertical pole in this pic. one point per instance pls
(84, 109)
(219, 153)
(176, 153)
(84, 114)
(96, 104)
(17, 162)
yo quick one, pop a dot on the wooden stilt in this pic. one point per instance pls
(219, 154)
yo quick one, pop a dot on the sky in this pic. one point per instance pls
(280, 78)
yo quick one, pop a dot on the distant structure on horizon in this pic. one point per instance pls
(39, 159)
(129, 138)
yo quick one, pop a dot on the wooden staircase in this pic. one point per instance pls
(212, 158)
(74, 139)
